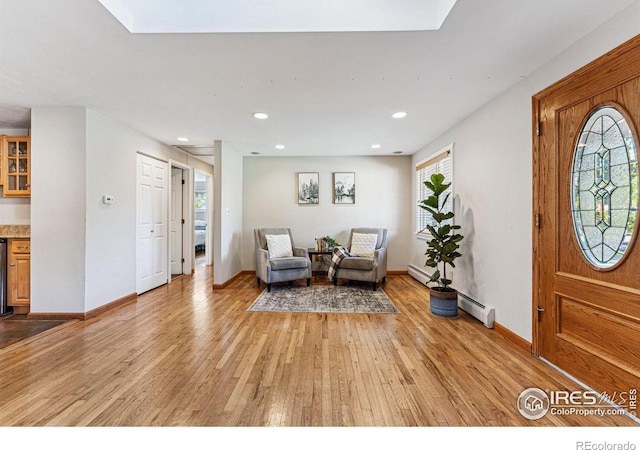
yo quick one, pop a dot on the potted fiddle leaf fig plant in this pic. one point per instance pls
(442, 248)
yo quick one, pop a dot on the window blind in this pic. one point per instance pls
(440, 163)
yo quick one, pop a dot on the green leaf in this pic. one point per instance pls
(450, 247)
(431, 201)
(444, 230)
(437, 185)
(432, 230)
(446, 197)
(437, 179)
(441, 217)
(430, 186)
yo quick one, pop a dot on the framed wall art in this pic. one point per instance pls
(308, 192)
(344, 187)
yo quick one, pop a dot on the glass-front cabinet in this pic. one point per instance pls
(16, 166)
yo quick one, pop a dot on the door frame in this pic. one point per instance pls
(176, 229)
(187, 213)
(535, 228)
(617, 71)
(208, 248)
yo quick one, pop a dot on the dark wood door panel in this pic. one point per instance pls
(599, 371)
(614, 299)
(604, 332)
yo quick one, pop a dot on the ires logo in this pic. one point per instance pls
(534, 403)
(573, 398)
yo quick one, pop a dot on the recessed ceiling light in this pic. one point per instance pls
(260, 115)
(376, 146)
(280, 147)
(255, 153)
(399, 115)
(183, 139)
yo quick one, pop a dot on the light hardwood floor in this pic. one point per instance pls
(188, 355)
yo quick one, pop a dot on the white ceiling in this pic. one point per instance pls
(325, 93)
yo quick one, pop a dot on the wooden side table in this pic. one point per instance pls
(315, 252)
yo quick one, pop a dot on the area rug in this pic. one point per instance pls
(324, 299)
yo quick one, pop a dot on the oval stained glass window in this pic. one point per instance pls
(604, 192)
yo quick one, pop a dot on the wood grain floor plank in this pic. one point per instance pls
(188, 355)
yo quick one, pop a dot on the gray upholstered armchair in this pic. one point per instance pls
(278, 259)
(369, 265)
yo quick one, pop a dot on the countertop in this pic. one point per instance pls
(15, 231)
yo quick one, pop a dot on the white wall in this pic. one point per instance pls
(58, 209)
(84, 252)
(228, 212)
(382, 200)
(15, 211)
(493, 182)
(111, 229)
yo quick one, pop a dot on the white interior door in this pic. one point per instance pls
(151, 214)
(177, 220)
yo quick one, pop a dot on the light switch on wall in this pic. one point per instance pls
(108, 199)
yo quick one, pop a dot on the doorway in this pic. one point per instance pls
(203, 218)
(180, 255)
(177, 221)
(586, 309)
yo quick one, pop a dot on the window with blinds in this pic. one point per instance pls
(440, 163)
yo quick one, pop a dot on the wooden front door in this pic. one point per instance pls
(586, 261)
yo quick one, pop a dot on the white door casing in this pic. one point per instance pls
(151, 259)
(177, 185)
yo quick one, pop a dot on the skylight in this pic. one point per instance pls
(262, 16)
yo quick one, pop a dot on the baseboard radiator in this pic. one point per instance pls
(484, 313)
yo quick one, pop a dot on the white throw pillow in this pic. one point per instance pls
(279, 245)
(363, 244)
